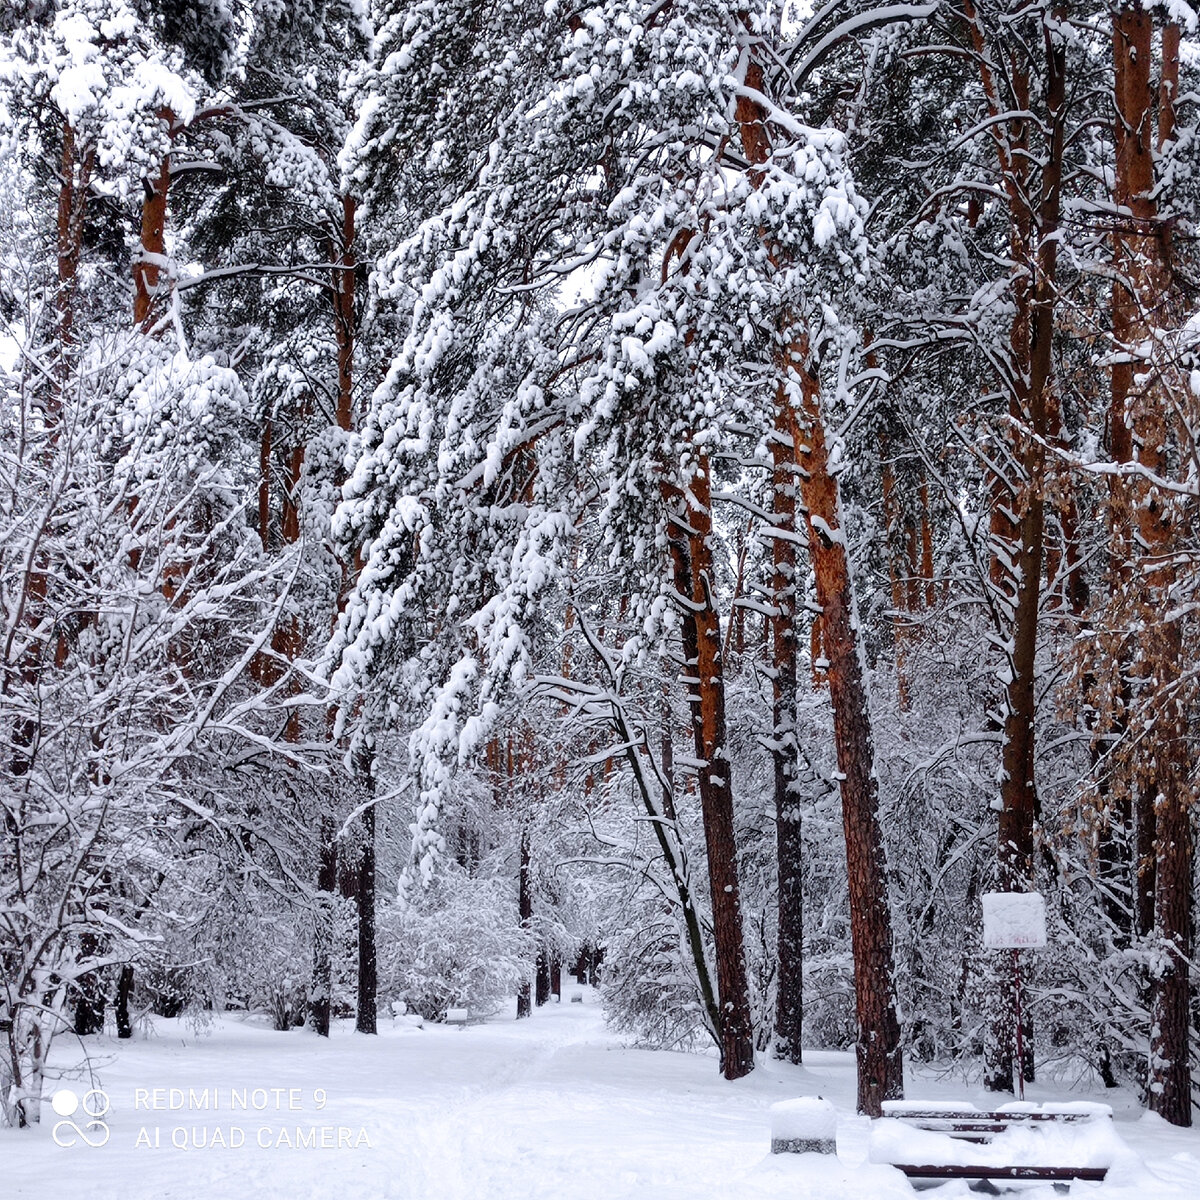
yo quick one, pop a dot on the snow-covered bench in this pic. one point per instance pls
(1050, 1142)
(462, 1017)
(806, 1125)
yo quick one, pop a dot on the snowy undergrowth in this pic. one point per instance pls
(550, 1107)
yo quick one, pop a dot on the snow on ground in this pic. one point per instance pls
(554, 1106)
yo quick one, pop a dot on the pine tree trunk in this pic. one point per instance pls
(321, 991)
(1133, 182)
(291, 636)
(345, 331)
(878, 1048)
(789, 1000)
(1170, 1084)
(1017, 519)
(879, 1053)
(343, 307)
(525, 911)
(89, 992)
(789, 844)
(148, 265)
(690, 545)
(124, 992)
(368, 967)
(1141, 431)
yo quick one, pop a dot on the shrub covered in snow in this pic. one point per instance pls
(648, 989)
(458, 944)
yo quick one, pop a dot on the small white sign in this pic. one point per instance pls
(1013, 920)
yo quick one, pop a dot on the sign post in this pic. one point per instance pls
(1012, 921)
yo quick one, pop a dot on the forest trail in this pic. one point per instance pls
(532, 1110)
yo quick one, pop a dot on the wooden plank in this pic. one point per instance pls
(990, 1120)
(1010, 1117)
(957, 1171)
(964, 1126)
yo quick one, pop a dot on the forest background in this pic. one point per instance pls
(711, 487)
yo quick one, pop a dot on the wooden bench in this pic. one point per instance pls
(963, 1122)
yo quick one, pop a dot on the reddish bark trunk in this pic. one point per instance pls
(880, 1062)
(1133, 252)
(343, 307)
(1141, 430)
(1132, 183)
(147, 267)
(691, 551)
(1170, 1083)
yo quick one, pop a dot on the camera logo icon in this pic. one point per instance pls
(89, 1110)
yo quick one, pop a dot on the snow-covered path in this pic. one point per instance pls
(550, 1107)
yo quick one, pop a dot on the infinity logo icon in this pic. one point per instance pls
(95, 1107)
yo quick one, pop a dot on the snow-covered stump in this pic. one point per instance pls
(804, 1126)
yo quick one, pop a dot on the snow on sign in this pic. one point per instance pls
(1012, 920)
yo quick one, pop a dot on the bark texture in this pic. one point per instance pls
(1141, 432)
(690, 542)
(124, 993)
(524, 908)
(368, 965)
(789, 844)
(878, 1048)
(320, 996)
(1018, 489)
(151, 260)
